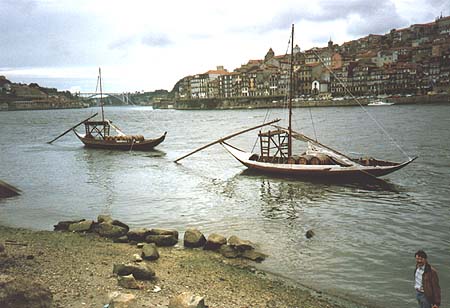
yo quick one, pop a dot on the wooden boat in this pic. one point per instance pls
(103, 134)
(316, 161)
(98, 135)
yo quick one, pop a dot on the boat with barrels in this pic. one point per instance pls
(316, 160)
(104, 134)
(99, 134)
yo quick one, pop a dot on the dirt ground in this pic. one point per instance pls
(78, 269)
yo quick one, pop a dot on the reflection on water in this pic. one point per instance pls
(101, 166)
(285, 200)
(366, 234)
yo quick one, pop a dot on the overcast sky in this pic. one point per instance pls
(148, 45)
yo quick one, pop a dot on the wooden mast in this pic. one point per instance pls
(291, 79)
(101, 92)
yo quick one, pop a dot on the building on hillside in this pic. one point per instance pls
(205, 85)
(184, 88)
(226, 84)
(393, 63)
(383, 57)
(5, 85)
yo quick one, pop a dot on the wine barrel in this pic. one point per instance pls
(320, 159)
(304, 159)
(293, 159)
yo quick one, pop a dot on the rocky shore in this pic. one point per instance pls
(79, 268)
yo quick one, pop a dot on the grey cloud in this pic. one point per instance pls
(376, 16)
(156, 40)
(122, 43)
(34, 35)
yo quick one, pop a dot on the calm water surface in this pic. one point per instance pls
(366, 236)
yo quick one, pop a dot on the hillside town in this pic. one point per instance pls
(404, 62)
(409, 61)
(18, 96)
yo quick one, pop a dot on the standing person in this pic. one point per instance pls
(426, 282)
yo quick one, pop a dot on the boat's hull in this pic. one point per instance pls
(124, 145)
(380, 104)
(312, 171)
(7, 190)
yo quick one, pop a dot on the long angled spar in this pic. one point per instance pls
(72, 128)
(225, 138)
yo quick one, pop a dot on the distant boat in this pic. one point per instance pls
(380, 103)
(98, 135)
(105, 135)
(316, 161)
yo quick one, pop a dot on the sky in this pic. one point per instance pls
(145, 45)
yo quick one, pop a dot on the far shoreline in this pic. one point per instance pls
(238, 103)
(280, 102)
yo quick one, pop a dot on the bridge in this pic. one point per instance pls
(125, 98)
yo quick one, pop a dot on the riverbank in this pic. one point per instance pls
(78, 270)
(15, 105)
(279, 102)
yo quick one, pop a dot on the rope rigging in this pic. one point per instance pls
(359, 103)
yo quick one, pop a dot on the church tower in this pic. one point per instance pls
(269, 55)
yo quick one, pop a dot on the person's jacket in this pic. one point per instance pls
(430, 283)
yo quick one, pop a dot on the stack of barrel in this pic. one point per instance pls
(316, 159)
(128, 138)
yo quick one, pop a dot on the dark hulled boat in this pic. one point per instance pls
(317, 160)
(103, 134)
(98, 135)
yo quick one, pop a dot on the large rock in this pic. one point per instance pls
(194, 238)
(240, 244)
(109, 230)
(104, 218)
(162, 240)
(157, 231)
(127, 282)
(253, 255)
(123, 269)
(122, 300)
(138, 234)
(150, 252)
(187, 300)
(23, 293)
(108, 219)
(116, 222)
(229, 252)
(122, 239)
(82, 226)
(140, 271)
(143, 271)
(215, 241)
(64, 225)
(309, 234)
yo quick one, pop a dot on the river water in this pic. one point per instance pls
(366, 235)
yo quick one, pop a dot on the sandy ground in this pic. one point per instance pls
(78, 269)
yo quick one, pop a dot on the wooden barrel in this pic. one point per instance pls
(320, 159)
(304, 159)
(293, 159)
